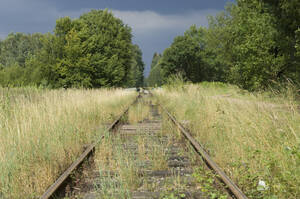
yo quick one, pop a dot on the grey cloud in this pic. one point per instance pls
(27, 16)
(152, 31)
(144, 21)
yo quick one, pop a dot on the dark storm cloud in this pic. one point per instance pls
(154, 23)
(160, 6)
(153, 32)
(25, 16)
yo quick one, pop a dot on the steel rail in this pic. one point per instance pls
(234, 189)
(59, 182)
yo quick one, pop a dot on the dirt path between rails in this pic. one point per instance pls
(140, 161)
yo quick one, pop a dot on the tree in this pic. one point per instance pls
(186, 56)
(94, 50)
(17, 47)
(108, 41)
(74, 68)
(155, 77)
(155, 59)
(286, 15)
(250, 58)
(261, 42)
(14, 52)
(136, 74)
(254, 44)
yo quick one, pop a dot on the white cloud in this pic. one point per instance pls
(145, 22)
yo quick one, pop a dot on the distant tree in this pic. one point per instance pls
(246, 45)
(155, 77)
(14, 52)
(17, 47)
(108, 41)
(136, 73)
(186, 56)
(155, 59)
(92, 51)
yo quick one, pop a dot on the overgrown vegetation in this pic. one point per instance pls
(43, 131)
(155, 76)
(254, 137)
(129, 162)
(94, 50)
(138, 112)
(252, 44)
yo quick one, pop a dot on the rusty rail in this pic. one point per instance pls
(59, 182)
(234, 189)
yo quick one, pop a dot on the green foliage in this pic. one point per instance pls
(12, 76)
(94, 50)
(155, 59)
(74, 68)
(253, 63)
(286, 15)
(265, 129)
(136, 75)
(176, 81)
(207, 180)
(253, 44)
(17, 47)
(297, 46)
(175, 194)
(16, 51)
(185, 56)
(155, 77)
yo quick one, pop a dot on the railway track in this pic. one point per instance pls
(60, 186)
(139, 160)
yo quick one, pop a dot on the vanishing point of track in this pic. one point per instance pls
(178, 164)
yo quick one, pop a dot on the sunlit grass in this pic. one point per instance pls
(252, 136)
(138, 112)
(43, 131)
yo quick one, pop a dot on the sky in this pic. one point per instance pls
(154, 23)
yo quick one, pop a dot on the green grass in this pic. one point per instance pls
(252, 136)
(43, 131)
(111, 156)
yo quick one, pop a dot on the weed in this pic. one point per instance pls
(43, 131)
(206, 180)
(252, 136)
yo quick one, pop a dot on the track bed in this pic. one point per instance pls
(140, 161)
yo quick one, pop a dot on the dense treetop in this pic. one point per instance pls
(94, 50)
(254, 44)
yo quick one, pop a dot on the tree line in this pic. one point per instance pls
(253, 43)
(92, 51)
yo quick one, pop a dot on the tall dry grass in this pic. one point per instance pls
(43, 131)
(138, 112)
(253, 137)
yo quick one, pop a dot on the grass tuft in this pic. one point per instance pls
(43, 131)
(253, 136)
